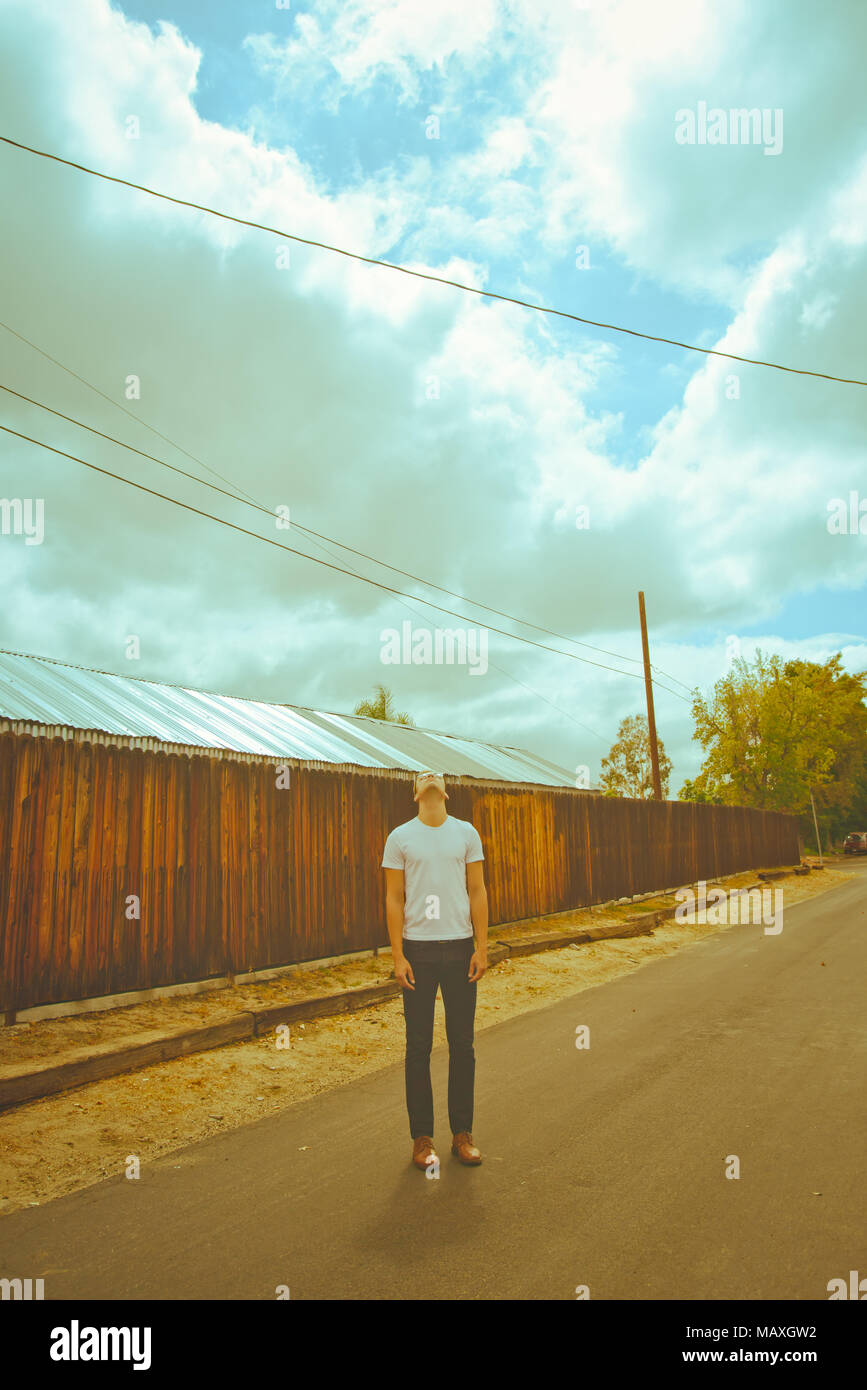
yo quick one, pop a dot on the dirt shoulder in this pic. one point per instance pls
(62, 1143)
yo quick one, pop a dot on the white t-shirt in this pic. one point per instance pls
(434, 860)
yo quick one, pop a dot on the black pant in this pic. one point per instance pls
(447, 964)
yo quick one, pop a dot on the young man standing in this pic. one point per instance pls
(435, 897)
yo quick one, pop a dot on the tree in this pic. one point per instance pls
(774, 731)
(627, 771)
(382, 707)
(695, 791)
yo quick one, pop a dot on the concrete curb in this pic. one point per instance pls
(35, 1081)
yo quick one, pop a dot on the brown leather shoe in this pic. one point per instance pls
(424, 1154)
(464, 1148)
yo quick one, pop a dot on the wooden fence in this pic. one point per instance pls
(234, 873)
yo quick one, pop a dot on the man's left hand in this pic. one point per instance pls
(478, 966)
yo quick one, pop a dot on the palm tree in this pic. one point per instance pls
(382, 707)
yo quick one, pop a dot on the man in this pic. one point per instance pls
(435, 898)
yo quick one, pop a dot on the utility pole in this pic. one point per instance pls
(648, 687)
(816, 826)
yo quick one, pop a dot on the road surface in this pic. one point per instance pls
(604, 1167)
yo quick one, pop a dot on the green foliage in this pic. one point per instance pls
(627, 770)
(696, 791)
(771, 731)
(382, 707)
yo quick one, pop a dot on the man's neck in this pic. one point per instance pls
(433, 815)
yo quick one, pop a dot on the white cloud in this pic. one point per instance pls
(305, 385)
(362, 39)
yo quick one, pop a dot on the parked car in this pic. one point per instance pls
(856, 843)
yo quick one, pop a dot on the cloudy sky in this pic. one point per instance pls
(536, 148)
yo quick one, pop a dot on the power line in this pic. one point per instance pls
(423, 275)
(527, 641)
(182, 472)
(90, 386)
(259, 507)
(250, 501)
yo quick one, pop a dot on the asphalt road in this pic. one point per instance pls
(604, 1167)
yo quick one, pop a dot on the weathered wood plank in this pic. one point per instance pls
(31, 1082)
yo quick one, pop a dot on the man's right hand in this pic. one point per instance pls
(403, 973)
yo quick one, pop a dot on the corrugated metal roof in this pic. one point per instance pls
(39, 690)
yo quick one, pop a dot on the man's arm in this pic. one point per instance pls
(395, 897)
(478, 896)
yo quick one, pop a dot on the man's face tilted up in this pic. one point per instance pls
(430, 795)
(429, 789)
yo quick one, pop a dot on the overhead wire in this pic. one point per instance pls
(259, 507)
(246, 496)
(243, 530)
(424, 275)
(251, 501)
